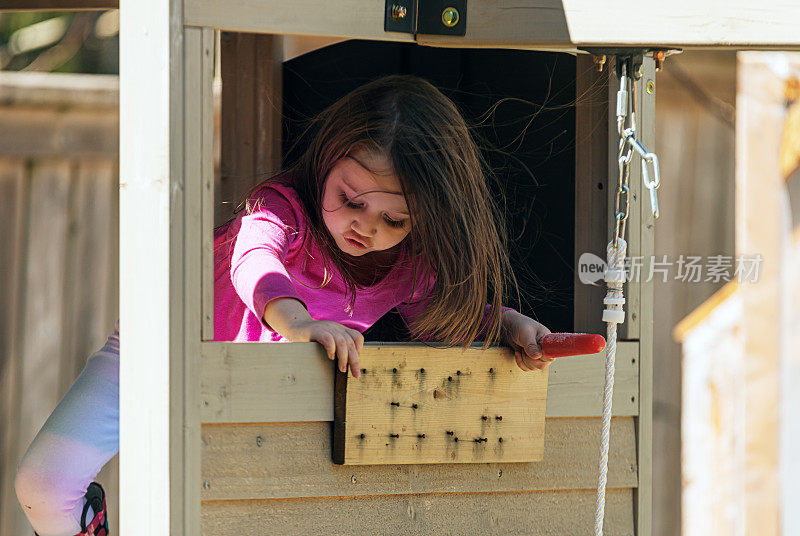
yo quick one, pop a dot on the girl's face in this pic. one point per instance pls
(363, 205)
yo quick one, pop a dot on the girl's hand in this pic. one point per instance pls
(338, 340)
(524, 335)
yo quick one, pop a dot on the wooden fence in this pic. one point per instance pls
(59, 264)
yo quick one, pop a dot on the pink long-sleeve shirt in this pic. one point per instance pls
(270, 254)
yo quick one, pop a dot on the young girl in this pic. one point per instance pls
(387, 208)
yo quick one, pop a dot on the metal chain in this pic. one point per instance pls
(628, 135)
(623, 159)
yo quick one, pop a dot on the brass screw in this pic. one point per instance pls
(353, 479)
(450, 17)
(399, 11)
(651, 87)
(659, 56)
(599, 62)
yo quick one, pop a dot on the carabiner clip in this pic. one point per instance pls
(655, 183)
(647, 156)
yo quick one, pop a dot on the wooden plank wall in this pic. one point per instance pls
(266, 474)
(58, 271)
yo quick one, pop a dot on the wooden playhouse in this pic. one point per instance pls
(254, 421)
(236, 438)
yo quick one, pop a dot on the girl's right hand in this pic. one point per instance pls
(338, 341)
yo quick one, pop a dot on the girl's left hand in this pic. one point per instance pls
(524, 336)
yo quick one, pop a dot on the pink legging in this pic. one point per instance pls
(78, 439)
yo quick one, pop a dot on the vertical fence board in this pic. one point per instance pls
(43, 327)
(13, 194)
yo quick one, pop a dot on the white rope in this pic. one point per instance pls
(612, 315)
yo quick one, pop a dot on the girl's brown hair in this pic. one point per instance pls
(457, 229)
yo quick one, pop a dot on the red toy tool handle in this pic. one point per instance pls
(565, 344)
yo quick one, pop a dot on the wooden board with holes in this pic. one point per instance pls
(411, 405)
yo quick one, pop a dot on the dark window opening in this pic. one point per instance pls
(532, 134)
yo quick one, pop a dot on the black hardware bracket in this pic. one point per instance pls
(426, 17)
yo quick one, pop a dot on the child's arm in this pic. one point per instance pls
(284, 314)
(290, 318)
(263, 241)
(261, 280)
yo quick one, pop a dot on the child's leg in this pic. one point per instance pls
(77, 440)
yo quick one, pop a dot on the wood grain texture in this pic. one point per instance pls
(351, 19)
(268, 382)
(515, 513)
(523, 23)
(59, 91)
(43, 322)
(251, 111)
(153, 314)
(198, 174)
(14, 195)
(52, 132)
(643, 496)
(591, 184)
(415, 405)
(208, 108)
(519, 23)
(90, 265)
(285, 460)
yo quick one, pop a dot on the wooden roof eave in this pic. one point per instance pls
(562, 25)
(555, 25)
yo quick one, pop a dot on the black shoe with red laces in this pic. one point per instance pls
(96, 498)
